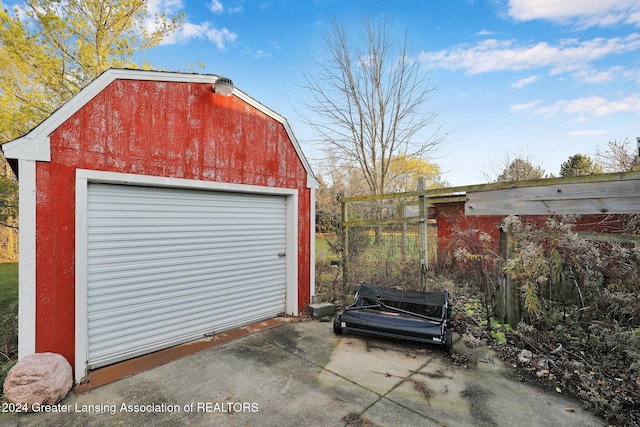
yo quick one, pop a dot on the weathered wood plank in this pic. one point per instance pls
(618, 238)
(388, 221)
(458, 190)
(619, 205)
(614, 197)
(562, 192)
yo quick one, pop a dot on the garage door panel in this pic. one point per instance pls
(136, 239)
(174, 283)
(157, 264)
(120, 348)
(219, 246)
(143, 299)
(166, 266)
(226, 251)
(132, 289)
(128, 321)
(117, 341)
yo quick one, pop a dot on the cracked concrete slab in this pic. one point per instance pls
(301, 373)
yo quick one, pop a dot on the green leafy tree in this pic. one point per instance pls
(328, 205)
(405, 171)
(51, 49)
(579, 164)
(8, 201)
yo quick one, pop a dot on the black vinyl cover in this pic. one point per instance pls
(432, 304)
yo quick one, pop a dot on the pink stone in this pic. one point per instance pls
(42, 378)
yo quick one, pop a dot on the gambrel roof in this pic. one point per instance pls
(35, 144)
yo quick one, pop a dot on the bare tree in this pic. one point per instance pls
(369, 100)
(620, 156)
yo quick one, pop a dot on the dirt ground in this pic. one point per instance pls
(605, 379)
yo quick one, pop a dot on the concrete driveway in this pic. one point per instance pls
(302, 374)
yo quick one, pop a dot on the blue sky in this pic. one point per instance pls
(540, 78)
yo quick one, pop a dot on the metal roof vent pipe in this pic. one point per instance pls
(223, 86)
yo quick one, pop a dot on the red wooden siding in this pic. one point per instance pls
(450, 216)
(178, 130)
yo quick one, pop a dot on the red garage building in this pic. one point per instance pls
(155, 211)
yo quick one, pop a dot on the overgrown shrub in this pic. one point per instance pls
(477, 261)
(8, 340)
(584, 294)
(5, 367)
(9, 332)
(554, 263)
(623, 307)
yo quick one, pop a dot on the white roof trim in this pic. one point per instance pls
(28, 148)
(36, 145)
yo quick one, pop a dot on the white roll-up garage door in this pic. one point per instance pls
(167, 266)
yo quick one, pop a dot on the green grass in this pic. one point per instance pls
(8, 317)
(321, 243)
(392, 244)
(8, 284)
(323, 251)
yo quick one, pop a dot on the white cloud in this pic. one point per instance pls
(592, 76)
(485, 33)
(158, 7)
(164, 6)
(599, 107)
(526, 106)
(585, 13)
(524, 82)
(261, 54)
(235, 9)
(507, 55)
(275, 45)
(221, 37)
(216, 6)
(585, 107)
(18, 8)
(632, 74)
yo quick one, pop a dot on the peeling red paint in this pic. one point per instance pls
(167, 129)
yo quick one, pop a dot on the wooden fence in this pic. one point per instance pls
(614, 193)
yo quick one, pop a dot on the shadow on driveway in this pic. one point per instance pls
(302, 374)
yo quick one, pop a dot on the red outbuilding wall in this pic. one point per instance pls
(164, 129)
(451, 217)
